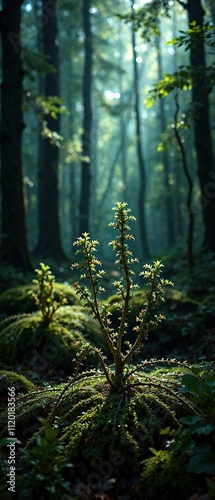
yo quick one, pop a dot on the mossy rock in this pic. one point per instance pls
(12, 379)
(26, 340)
(17, 300)
(165, 476)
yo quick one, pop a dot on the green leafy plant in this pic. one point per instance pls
(90, 268)
(44, 297)
(196, 439)
(42, 474)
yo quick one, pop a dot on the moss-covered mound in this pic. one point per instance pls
(26, 340)
(11, 379)
(165, 476)
(107, 436)
(17, 300)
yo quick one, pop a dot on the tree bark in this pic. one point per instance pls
(49, 244)
(202, 130)
(169, 209)
(86, 175)
(141, 164)
(13, 231)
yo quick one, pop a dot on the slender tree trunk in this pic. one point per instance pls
(13, 232)
(122, 124)
(49, 244)
(87, 123)
(212, 10)
(141, 163)
(202, 130)
(189, 191)
(179, 220)
(169, 210)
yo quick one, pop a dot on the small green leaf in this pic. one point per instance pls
(192, 383)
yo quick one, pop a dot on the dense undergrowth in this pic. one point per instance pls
(92, 420)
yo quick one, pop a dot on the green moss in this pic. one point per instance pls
(77, 318)
(28, 341)
(96, 424)
(165, 476)
(17, 300)
(12, 379)
(37, 346)
(29, 407)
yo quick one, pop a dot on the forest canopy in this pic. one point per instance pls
(106, 102)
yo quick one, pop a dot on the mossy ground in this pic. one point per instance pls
(28, 341)
(107, 436)
(11, 379)
(17, 300)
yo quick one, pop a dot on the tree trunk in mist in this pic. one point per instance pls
(202, 131)
(86, 176)
(13, 231)
(141, 197)
(49, 244)
(169, 209)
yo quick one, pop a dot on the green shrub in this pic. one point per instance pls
(196, 439)
(147, 319)
(42, 474)
(44, 297)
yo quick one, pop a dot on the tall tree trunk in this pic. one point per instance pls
(189, 190)
(13, 232)
(122, 123)
(49, 244)
(169, 211)
(87, 123)
(202, 130)
(141, 163)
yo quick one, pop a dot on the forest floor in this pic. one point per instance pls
(187, 334)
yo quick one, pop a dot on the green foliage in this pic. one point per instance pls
(187, 76)
(146, 19)
(195, 35)
(44, 298)
(197, 437)
(42, 474)
(89, 266)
